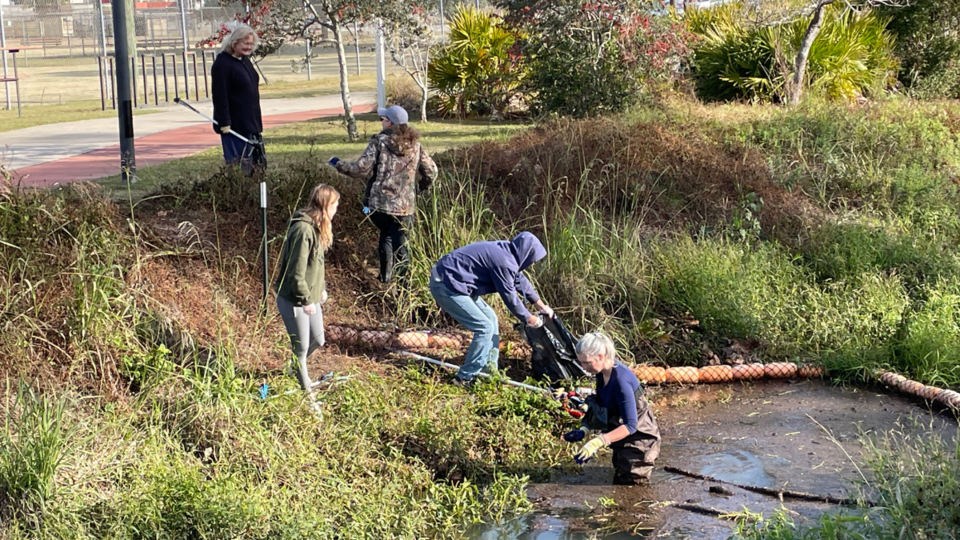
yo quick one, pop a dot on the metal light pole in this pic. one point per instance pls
(103, 27)
(356, 43)
(3, 43)
(309, 53)
(381, 68)
(128, 161)
(183, 26)
(442, 24)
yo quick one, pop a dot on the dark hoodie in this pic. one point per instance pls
(486, 267)
(391, 174)
(301, 279)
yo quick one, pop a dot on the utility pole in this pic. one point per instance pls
(3, 43)
(128, 161)
(381, 68)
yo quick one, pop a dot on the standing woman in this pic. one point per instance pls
(300, 285)
(391, 162)
(236, 99)
(619, 411)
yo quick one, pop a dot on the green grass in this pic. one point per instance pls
(39, 115)
(318, 86)
(826, 235)
(156, 431)
(315, 141)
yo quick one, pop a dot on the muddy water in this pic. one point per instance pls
(763, 434)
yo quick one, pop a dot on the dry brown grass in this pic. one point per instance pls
(670, 176)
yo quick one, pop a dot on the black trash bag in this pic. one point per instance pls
(554, 355)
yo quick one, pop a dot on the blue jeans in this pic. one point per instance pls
(236, 152)
(473, 313)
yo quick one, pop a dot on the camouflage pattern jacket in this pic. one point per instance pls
(392, 187)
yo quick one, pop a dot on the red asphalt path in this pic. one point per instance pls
(151, 150)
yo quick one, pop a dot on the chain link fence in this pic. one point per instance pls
(82, 28)
(76, 43)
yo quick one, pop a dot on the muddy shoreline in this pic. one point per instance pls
(802, 436)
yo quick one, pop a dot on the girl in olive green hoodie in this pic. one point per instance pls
(300, 285)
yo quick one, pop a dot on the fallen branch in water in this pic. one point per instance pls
(706, 511)
(778, 493)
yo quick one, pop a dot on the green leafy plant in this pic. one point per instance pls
(734, 59)
(34, 440)
(475, 72)
(587, 59)
(928, 46)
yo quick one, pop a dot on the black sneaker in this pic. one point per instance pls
(462, 383)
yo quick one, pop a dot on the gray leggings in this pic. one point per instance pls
(306, 334)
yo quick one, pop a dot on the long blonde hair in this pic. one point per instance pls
(320, 199)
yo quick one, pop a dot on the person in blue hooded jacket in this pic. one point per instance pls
(462, 277)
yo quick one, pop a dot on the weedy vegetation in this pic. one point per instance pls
(822, 233)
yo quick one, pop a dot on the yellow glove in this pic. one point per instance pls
(225, 130)
(589, 450)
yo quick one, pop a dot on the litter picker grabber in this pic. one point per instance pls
(451, 366)
(255, 143)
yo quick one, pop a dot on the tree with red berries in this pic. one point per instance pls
(587, 58)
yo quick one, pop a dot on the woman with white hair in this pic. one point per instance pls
(236, 99)
(619, 411)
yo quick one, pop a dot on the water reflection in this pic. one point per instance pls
(541, 526)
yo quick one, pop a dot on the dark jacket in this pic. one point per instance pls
(483, 268)
(301, 279)
(236, 95)
(625, 405)
(392, 187)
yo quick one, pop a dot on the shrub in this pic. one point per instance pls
(928, 46)
(587, 59)
(475, 72)
(403, 91)
(733, 59)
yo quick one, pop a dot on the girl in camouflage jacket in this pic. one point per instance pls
(391, 163)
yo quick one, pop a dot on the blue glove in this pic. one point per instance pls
(333, 161)
(576, 435)
(366, 209)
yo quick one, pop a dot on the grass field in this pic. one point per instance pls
(64, 90)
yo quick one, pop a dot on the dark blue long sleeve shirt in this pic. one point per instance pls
(484, 268)
(618, 396)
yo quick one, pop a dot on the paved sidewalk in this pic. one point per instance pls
(89, 149)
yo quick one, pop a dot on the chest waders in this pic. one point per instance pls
(633, 456)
